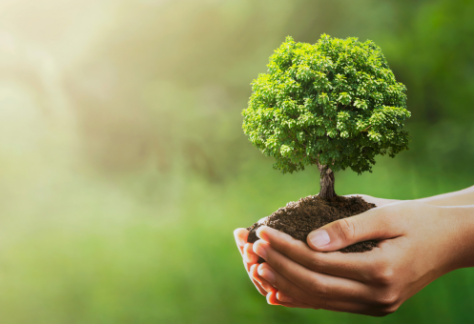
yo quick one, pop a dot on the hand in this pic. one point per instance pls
(250, 258)
(250, 263)
(378, 202)
(418, 243)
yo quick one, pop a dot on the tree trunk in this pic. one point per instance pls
(327, 182)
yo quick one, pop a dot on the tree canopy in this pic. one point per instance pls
(334, 103)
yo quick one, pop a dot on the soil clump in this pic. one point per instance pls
(299, 218)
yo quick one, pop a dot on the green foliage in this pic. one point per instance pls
(336, 103)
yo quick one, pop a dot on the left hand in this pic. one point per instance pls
(250, 263)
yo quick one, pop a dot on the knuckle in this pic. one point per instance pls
(346, 229)
(314, 262)
(388, 300)
(316, 287)
(384, 275)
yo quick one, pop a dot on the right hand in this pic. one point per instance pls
(250, 260)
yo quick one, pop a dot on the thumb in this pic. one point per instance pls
(375, 224)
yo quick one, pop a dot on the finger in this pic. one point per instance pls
(257, 285)
(314, 283)
(290, 292)
(259, 288)
(262, 282)
(249, 254)
(357, 266)
(272, 299)
(250, 259)
(269, 289)
(281, 299)
(375, 224)
(295, 293)
(284, 298)
(241, 235)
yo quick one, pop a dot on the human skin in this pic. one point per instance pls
(419, 241)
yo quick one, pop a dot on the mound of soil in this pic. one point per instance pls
(300, 218)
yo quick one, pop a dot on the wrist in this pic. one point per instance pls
(461, 232)
(463, 197)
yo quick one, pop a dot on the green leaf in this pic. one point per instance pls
(335, 101)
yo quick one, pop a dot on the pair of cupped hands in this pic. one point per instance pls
(418, 242)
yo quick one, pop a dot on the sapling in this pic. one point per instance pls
(335, 104)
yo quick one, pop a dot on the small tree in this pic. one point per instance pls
(335, 104)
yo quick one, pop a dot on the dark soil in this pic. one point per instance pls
(300, 218)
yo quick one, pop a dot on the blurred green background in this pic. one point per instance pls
(124, 169)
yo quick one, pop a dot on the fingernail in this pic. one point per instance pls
(263, 231)
(266, 274)
(240, 241)
(248, 254)
(269, 297)
(247, 258)
(284, 298)
(319, 238)
(260, 251)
